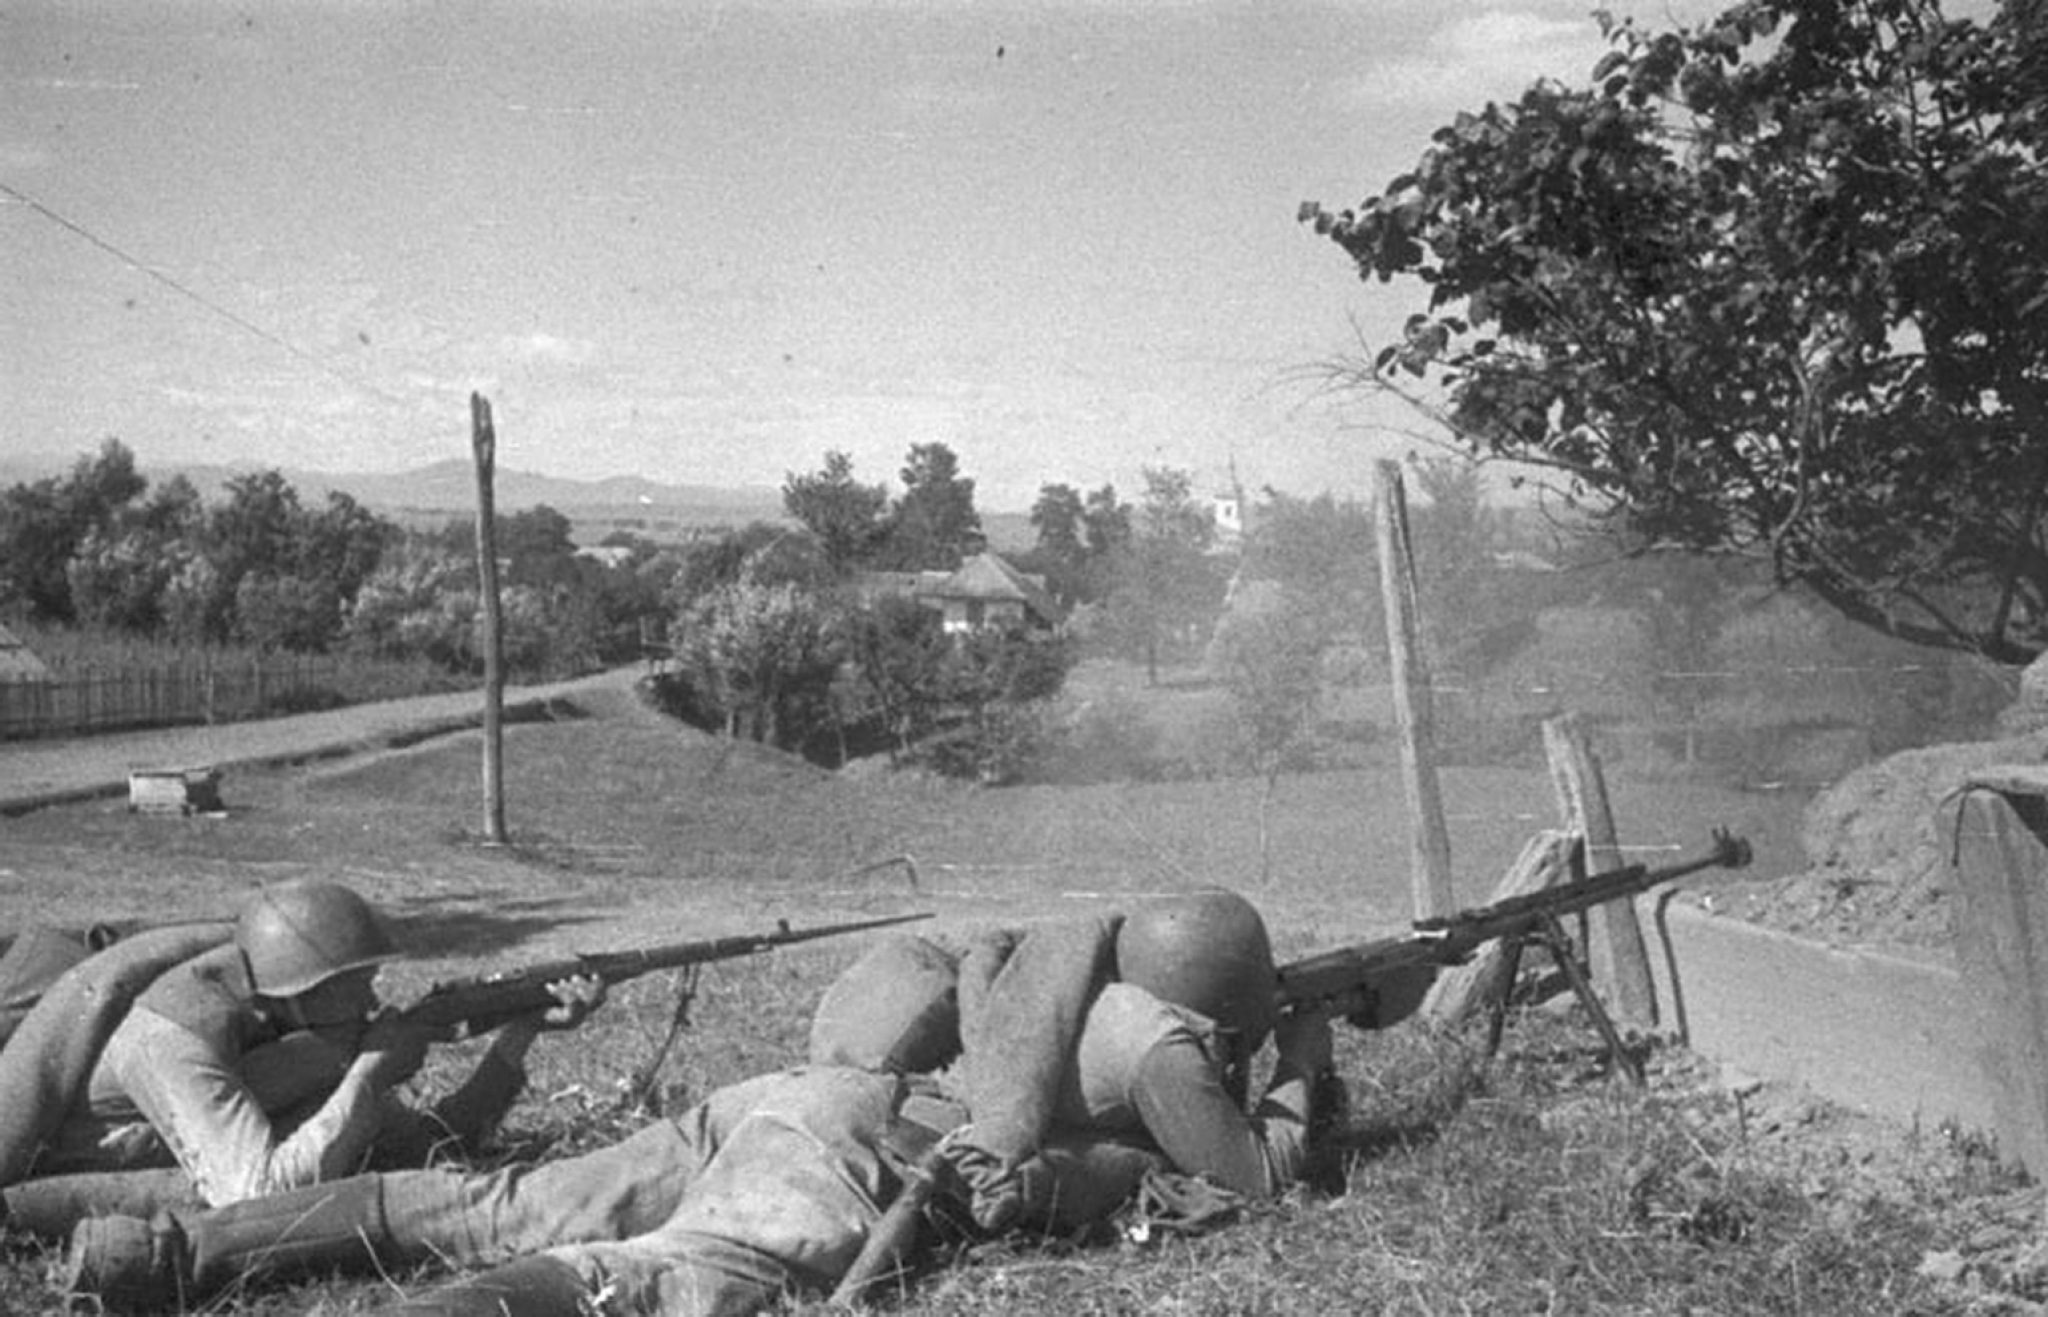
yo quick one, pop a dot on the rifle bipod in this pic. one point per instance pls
(640, 1087)
(1549, 934)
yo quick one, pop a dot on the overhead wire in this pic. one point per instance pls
(239, 321)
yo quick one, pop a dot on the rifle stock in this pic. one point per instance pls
(893, 1238)
(1356, 982)
(475, 1005)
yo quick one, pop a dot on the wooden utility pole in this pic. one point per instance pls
(1430, 855)
(1620, 965)
(484, 442)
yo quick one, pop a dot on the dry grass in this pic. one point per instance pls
(1535, 1183)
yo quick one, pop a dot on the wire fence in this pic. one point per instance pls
(162, 694)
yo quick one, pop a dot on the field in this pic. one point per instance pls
(1536, 1183)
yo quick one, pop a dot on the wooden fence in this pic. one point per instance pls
(160, 695)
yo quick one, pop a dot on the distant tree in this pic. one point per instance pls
(117, 578)
(277, 574)
(286, 611)
(1165, 589)
(897, 649)
(42, 525)
(551, 630)
(1773, 284)
(174, 508)
(1057, 517)
(420, 602)
(257, 528)
(761, 553)
(847, 518)
(1168, 509)
(341, 543)
(118, 574)
(997, 682)
(539, 547)
(762, 659)
(1079, 540)
(1269, 655)
(1166, 593)
(1321, 548)
(1473, 612)
(1106, 521)
(933, 524)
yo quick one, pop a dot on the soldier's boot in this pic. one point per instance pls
(535, 1286)
(50, 1207)
(181, 1257)
(127, 1263)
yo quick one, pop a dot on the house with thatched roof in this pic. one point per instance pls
(17, 661)
(986, 591)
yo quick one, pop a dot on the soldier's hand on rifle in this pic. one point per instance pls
(1303, 1042)
(396, 1048)
(575, 999)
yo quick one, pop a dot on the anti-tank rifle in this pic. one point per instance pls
(1378, 984)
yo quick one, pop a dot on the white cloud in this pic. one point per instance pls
(80, 84)
(1495, 53)
(548, 349)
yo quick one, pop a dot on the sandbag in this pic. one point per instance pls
(895, 1010)
(44, 1066)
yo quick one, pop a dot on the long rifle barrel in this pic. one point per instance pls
(1345, 980)
(1727, 852)
(475, 1004)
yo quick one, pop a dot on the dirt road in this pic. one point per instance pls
(34, 774)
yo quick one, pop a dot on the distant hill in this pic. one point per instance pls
(431, 495)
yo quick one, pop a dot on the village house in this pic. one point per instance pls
(985, 592)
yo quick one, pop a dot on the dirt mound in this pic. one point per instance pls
(1878, 864)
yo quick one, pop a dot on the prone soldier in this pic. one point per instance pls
(254, 1063)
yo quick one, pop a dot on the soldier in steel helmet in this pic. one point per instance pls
(1058, 1070)
(260, 1065)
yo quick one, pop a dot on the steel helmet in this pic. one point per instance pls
(298, 935)
(1207, 951)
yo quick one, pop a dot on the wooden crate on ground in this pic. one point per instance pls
(174, 791)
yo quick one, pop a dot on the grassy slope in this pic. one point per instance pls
(1533, 1185)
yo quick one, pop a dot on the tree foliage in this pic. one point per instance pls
(42, 525)
(933, 524)
(1321, 548)
(994, 683)
(1268, 652)
(845, 516)
(761, 553)
(421, 601)
(897, 651)
(1774, 284)
(1080, 538)
(762, 659)
(1164, 589)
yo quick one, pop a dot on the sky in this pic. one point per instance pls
(707, 243)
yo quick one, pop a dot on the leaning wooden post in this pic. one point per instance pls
(1430, 853)
(484, 441)
(1620, 965)
(1482, 982)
